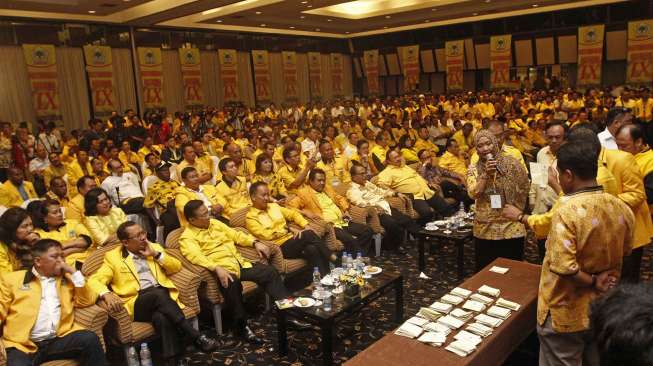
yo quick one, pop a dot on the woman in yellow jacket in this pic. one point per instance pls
(16, 236)
(73, 236)
(406, 144)
(101, 218)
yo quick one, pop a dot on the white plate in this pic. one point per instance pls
(372, 270)
(439, 222)
(327, 280)
(308, 302)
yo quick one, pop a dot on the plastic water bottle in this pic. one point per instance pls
(317, 284)
(350, 262)
(461, 210)
(359, 262)
(132, 357)
(326, 303)
(146, 357)
(344, 260)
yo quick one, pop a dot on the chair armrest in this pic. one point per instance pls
(120, 322)
(366, 216)
(403, 205)
(325, 231)
(209, 287)
(3, 354)
(275, 259)
(93, 318)
(187, 284)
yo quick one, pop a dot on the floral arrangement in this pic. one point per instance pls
(352, 278)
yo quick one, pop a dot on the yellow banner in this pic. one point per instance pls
(315, 73)
(371, 64)
(289, 59)
(409, 57)
(500, 59)
(229, 74)
(42, 72)
(590, 54)
(261, 63)
(640, 51)
(99, 68)
(454, 55)
(151, 67)
(191, 77)
(337, 70)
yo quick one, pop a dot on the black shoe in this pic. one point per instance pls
(298, 325)
(206, 344)
(249, 336)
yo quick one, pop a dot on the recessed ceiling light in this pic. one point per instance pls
(434, 9)
(91, 11)
(219, 21)
(426, 21)
(291, 27)
(263, 25)
(304, 2)
(487, 1)
(302, 17)
(329, 20)
(258, 13)
(346, 32)
(475, 14)
(385, 27)
(388, 17)
(317, 29)
(535, 5)
(309, 6)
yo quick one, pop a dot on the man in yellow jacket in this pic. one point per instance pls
(36, 311)
(211, 244)
(193, 190)
(137, 272)
(16, 189)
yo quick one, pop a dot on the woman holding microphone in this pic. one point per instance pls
(494, 181)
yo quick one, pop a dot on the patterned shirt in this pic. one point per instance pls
(591, 231)
(161, 193)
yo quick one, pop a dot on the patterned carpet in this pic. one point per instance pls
(359, 331)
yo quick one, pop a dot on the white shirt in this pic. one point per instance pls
(127, 184)
(349, 151)
(145, 277)
(543, 198)
(369, 195)
(49, 315)
(37, 164)
(607, 140)
(310, 146)
(51, 142)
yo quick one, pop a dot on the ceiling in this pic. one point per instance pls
(322, 18)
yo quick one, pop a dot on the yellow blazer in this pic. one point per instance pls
(306, 200)
(75, 171)
(9, 195)
(119, 272)
(183, 195)
(630, 184)
(20, 300)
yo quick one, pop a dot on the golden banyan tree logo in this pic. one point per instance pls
(149, 58)
(454, 50)
(189, 56)
(39, 56)
(259, 58)
(98, 57)
(501, 44)
(591, 36)
(227, 58)
(642, 30)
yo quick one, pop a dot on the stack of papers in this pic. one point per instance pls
(499, 270)
(461, 348)
(479, 329)
(489, 291)
(480, 298)
(474, 306)
(451, 299)
(441, 307)
(417, 321)
(429, 313)
(461, 292)
(433, 338)
(437, 327)
(451, 322)
(462, 314)
(488, 320)
(508, 304)
(468, 337)
(498, 312)
(409, 330)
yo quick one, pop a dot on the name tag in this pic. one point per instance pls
(495, 201)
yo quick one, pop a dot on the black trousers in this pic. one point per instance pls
(133, 206)
(394, 226)
(82, 345)
(170, 221)
(356, 238)
(310, 248)
(541, 249)
(451, 190)
(434, 207)
(631, 266)
(486, 251)
(263, 275)
(155, 305)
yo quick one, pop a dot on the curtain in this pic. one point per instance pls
(347, 77)
(15, 95)
(173, 86)
(303, 88)
(245, 79)
(276, 79)
(123, 78)
(73, 88)
(210, 78)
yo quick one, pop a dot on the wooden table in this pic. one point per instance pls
(520, 284)
(458, 237)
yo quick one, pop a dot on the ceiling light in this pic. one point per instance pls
(309, 6)
(329, 20)
(426, 21)
(487, 1)
(258, 13)
(388, 17)
(91, 11)
(291, 27)
(304, 2)
(302, 17)
(317, 29)
(535, 5)
(219, 21)
(346, 32)
(434, 9)
(385, 27)
(263, 25)
(475, 14)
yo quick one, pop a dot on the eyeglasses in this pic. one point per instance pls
(140, 235)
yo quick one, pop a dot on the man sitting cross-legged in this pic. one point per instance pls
(137, 272)
(211, 244)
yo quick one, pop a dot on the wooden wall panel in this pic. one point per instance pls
(544, 50)
(428, 61)
(393, 64)
(439, 57)
(616, 44)
(482, 56)
(524, 52)
(567, 50)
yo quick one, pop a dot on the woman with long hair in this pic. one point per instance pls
(16, 238)
(101, 218)
(494, 181)
(49, 223)
(406, 145)
(265, 173)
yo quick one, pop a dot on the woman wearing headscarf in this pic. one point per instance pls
(494, 181)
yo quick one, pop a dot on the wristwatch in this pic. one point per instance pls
(157, 256)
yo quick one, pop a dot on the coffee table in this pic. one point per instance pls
(458, 237)
(341, 308)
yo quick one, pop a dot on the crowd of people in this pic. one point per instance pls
(129, 181)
